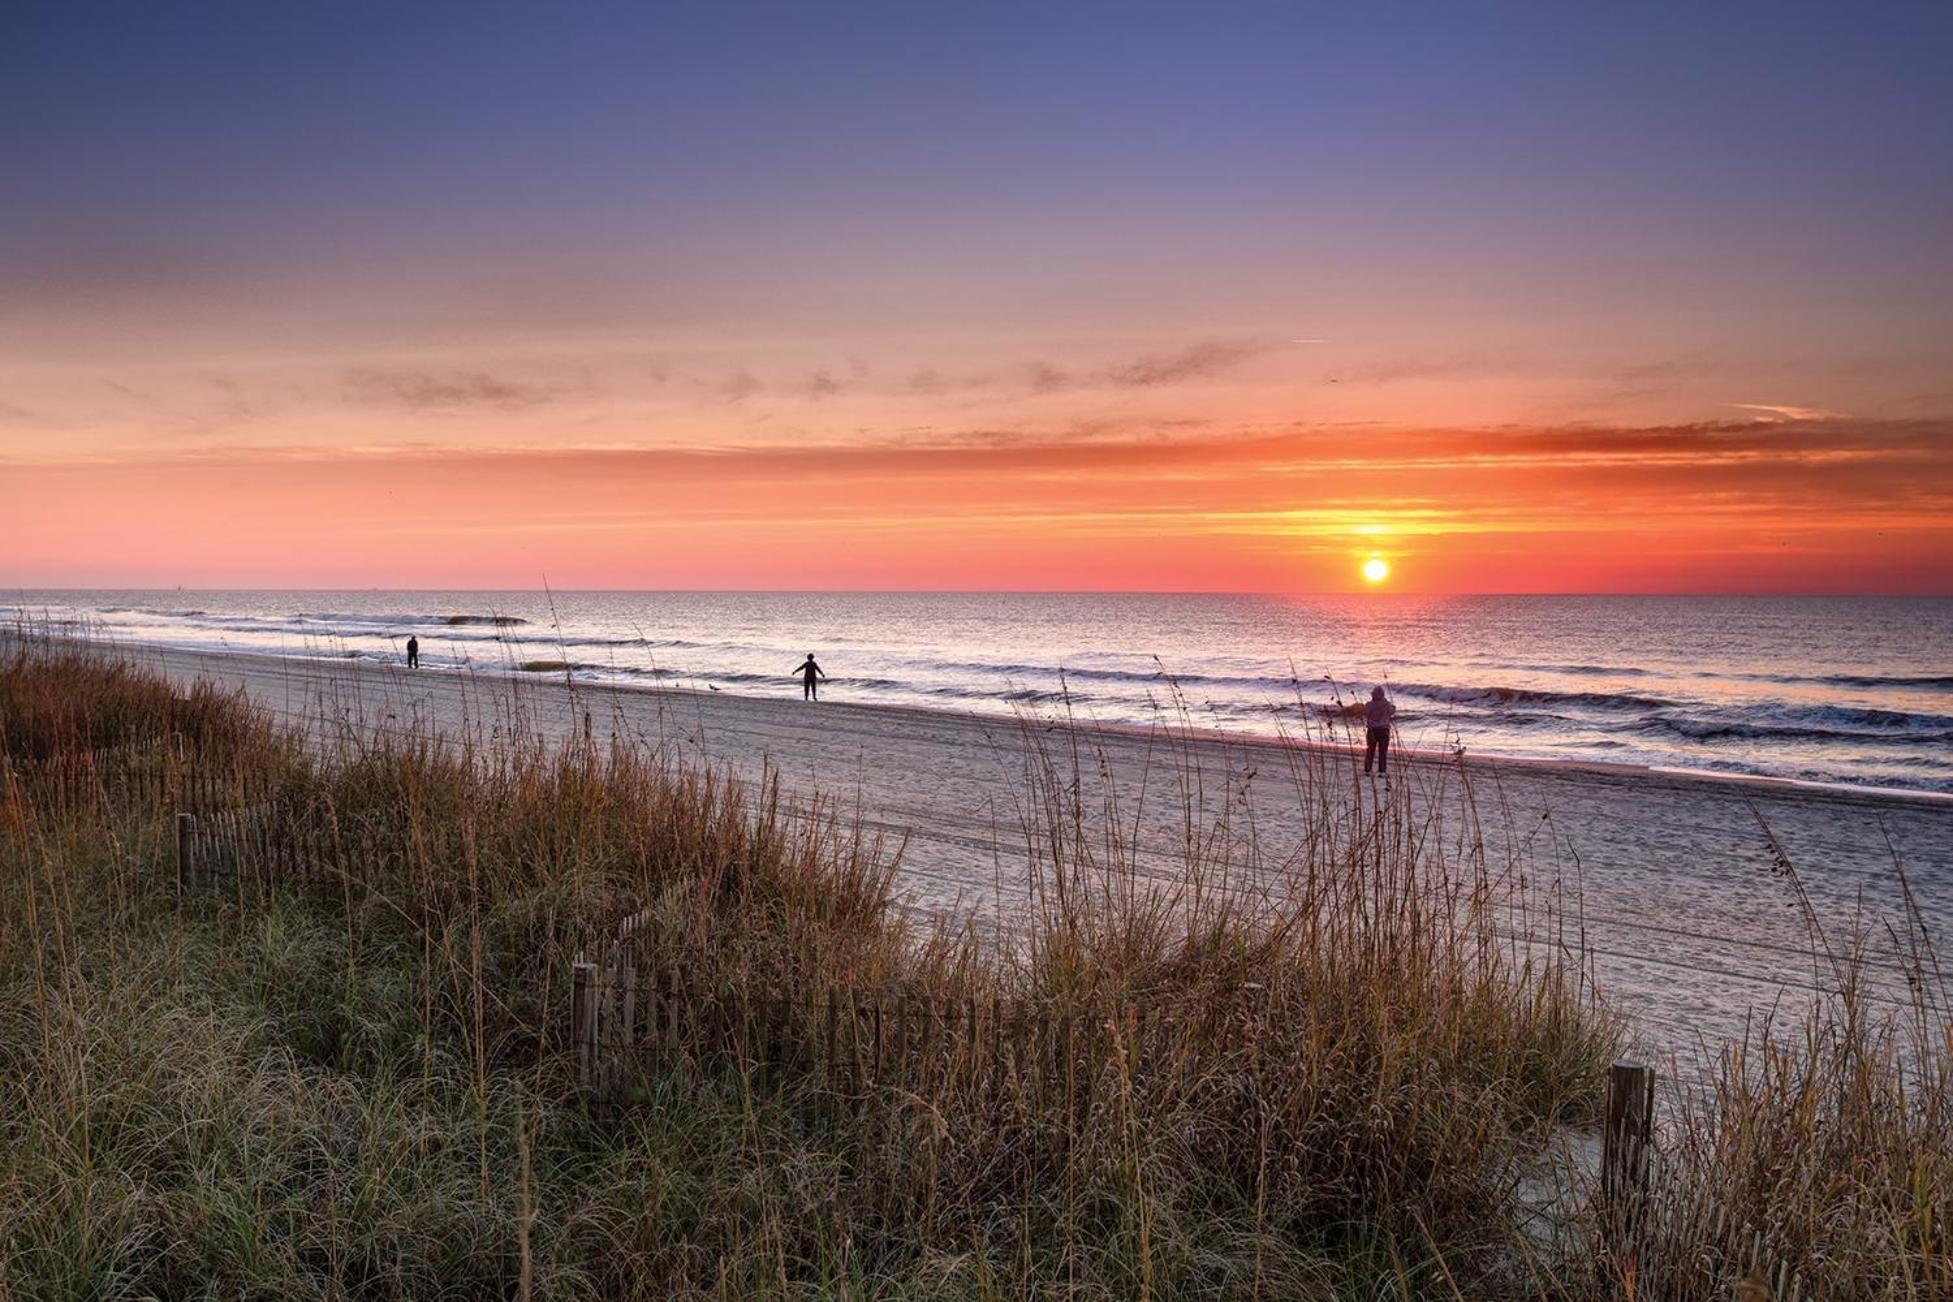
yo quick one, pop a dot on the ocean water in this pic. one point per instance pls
(1847, 690)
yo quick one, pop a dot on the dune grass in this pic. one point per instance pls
(360, 1085)
(1817, 1160)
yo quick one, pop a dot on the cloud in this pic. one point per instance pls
(927, 382)
(740, 385)
(1045, 378)
(1918, 453)
(1193, 364)
(17, 414)
(1201, 362)
(1774, 412)
(423, 390)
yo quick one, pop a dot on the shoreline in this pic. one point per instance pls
(1401, 753)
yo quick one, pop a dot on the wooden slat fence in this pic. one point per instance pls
(159, 774)
(257, 848)
(85, 782)
(637, 1010)
(632, 1021)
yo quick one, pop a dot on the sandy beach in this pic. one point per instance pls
(1670, 875)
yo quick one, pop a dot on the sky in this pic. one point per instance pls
(1207, 297)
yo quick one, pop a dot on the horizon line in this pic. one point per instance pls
(1002, 592)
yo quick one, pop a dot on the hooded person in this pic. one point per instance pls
(1377, 713)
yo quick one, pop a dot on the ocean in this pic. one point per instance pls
(1838, 690)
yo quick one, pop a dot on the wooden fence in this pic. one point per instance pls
(77, 782)
(256, 849)
(636, 1014)
(160, 773)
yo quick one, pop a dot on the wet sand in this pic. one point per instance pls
(1669, 875)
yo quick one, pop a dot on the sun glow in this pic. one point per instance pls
(1376, 570)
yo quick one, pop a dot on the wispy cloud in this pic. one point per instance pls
(16, 414)
(1916, 451)
(1198, 362)
(1203, 361)
(430, 390)
(1778, 412)
(739, 386)
(1194, 364)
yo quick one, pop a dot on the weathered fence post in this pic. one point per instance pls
(183, 864)
(1630, 1126)
(583, 1020)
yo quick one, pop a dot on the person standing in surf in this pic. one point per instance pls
(413, 653)
(810, 673)
(1377, 713)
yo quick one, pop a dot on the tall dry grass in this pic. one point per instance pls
(1816, 1157)
(1319, 1075)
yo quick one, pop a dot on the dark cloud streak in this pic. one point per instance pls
(419, 390)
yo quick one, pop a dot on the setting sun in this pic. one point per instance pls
(1376, 570)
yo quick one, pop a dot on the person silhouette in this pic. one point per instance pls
(1377, 713)
(413, 653)
(810, 673)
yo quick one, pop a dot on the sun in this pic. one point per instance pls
(1376, 570)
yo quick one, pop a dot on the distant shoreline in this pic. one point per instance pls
(1276, 593)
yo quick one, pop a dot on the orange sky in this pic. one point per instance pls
(1739, 505)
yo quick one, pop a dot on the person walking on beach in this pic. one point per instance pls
(810, 673)
(1377, 712)
(413, 653)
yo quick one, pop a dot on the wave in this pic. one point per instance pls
(608, 641)
(1488, 697)
(389, 618)
(1887, 680)
(1071, 673)
(1583, 671)
(1497, 697)
(360, 618)
(1871, 682)
(1688, 729)
(1854, 716)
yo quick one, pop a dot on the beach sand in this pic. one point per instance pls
(1669, 876)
